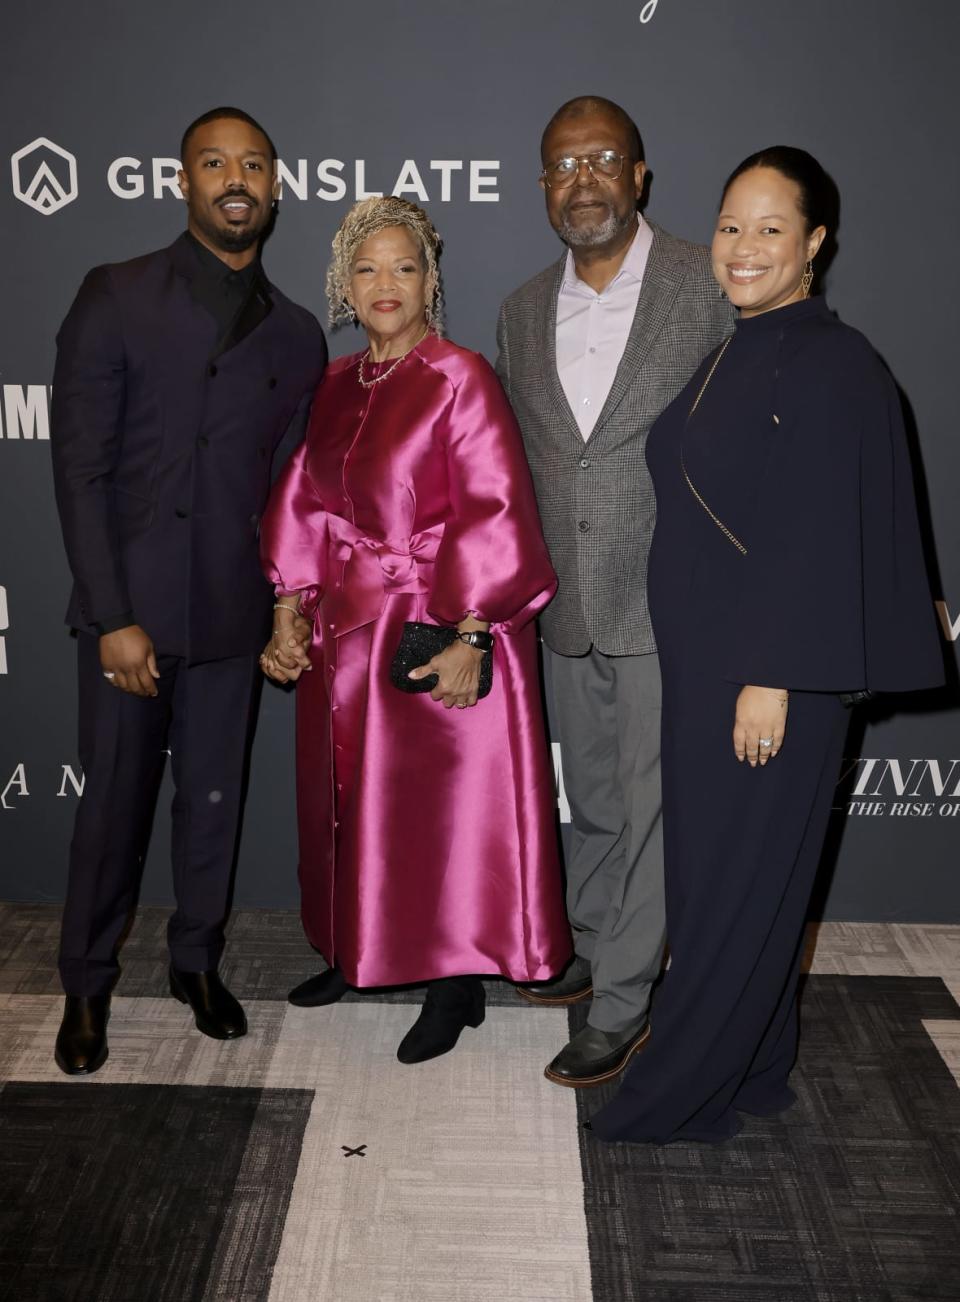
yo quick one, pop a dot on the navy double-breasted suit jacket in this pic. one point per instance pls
(165, 438)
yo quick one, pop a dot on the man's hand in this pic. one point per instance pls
(129, 661)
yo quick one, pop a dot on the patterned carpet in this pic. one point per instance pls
(854, 1193)
(305, 1163)
(159, 1192)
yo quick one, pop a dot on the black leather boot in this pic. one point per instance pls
(82, 1040)
(594, 1056)
(215, 1010)
(450, 1005)
(317, 991)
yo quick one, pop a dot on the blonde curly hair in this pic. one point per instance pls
(369, 217)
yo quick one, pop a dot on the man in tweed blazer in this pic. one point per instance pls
(591, 350)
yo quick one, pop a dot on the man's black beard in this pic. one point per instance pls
(231, 239)
(234, 241)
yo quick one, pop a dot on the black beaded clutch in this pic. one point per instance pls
(420, 643)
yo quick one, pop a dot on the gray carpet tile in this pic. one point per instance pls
(851, 1196)
(146, 1192)
(243, 1261)
(267, 954)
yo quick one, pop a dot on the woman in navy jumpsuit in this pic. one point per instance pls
(786, 570)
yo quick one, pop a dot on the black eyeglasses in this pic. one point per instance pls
(605, 165)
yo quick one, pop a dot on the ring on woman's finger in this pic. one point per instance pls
(109, 675)
(766, 742)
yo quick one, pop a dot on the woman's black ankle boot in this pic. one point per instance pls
(450, 1005)
(325, 988)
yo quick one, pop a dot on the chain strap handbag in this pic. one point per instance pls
(727, 533)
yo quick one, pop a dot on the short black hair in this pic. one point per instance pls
(819, 200)
(584, 104)
(225, 111)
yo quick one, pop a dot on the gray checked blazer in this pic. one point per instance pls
(596, 498)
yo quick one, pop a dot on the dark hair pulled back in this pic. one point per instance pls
(818, 201)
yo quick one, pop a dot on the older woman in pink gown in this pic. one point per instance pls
(427, 822)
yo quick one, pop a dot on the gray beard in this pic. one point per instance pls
(591, 237)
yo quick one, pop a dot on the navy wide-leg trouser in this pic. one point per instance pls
(741, 847)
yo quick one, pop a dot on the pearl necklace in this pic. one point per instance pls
(378, 379)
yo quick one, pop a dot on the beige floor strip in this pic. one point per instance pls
(469, 1188)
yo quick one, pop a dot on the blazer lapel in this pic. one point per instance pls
(256, 307)
(547, 349)
(195, 331)
(662, 279)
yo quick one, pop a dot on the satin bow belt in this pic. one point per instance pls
(364, 570)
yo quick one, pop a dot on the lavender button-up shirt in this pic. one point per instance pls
(592, 330)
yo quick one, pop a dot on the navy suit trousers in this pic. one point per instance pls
(203, 715)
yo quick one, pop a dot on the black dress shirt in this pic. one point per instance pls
(220, 289)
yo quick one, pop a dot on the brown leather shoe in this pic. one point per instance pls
(595, 1056)
(573, 984)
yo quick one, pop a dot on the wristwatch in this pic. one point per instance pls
(477, 638)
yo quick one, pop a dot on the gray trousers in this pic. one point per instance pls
(606, 712)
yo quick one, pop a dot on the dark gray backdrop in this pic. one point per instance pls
(869, 86)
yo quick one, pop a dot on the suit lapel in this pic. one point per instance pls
(662, 279)
(194, 332)
(547, 348)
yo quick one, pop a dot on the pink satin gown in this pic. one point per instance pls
(427, 836)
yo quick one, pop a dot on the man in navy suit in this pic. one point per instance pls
(183, 379)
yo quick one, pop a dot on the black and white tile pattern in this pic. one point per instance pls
(305, 1164)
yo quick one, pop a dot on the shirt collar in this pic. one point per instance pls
(632, 267)
(216, 269)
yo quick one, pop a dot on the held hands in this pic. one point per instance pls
(129, 661)
(285, 657)
(458, 666)
(761, 717)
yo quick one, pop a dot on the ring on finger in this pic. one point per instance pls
(766, 742)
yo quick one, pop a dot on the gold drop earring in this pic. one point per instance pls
(806, 280)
